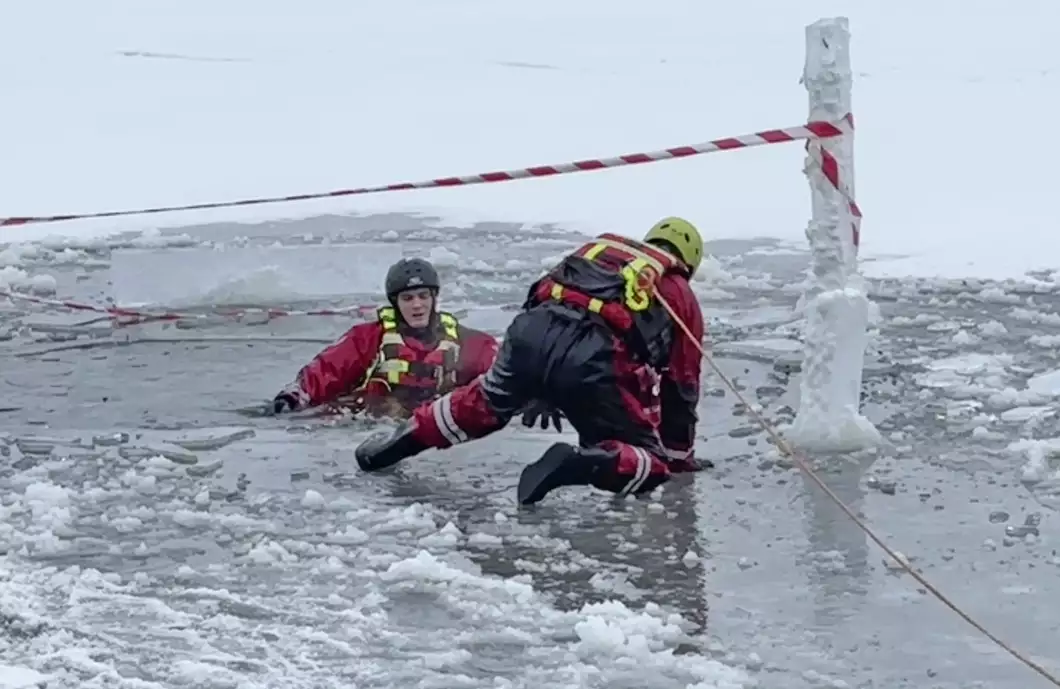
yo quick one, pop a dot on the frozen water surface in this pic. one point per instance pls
(154, 536)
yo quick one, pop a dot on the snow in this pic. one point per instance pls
(21, 678)
(774, 345)
(1040, 471)
(837, 308)
(224, 274)
(1023, 414)
(988, 378)
(951, 370)
(599, 640)
(17, 279)
(1047, 383)
(828, 417)
(181, 103)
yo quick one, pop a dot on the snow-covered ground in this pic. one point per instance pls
(205, 548)
(120, 104)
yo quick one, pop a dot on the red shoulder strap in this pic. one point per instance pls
(669, 262)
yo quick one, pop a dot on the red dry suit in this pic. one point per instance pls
(595, 342)
(387, 360)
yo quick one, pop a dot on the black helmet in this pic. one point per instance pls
(411, 273)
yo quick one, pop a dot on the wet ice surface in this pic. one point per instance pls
(154, 537)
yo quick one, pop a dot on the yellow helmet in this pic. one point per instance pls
(683, 237)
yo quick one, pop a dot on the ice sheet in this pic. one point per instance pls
(248, 275)
(122, 105)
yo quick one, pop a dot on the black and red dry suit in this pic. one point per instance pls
(594, 342)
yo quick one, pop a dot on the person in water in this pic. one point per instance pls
(610, 338)
(411, 354)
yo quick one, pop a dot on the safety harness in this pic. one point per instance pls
(640, 267)
(399, 365)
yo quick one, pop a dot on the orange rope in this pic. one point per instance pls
(804, 466)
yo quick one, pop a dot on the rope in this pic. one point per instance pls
(804, 466)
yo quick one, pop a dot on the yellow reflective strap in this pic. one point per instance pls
(557, 293)
(385, 315)
(388, 318)
(394, 368)
(637, 273)
(637, 297)
(595, 251)
(449, 324)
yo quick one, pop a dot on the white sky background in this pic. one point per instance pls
(955, 103)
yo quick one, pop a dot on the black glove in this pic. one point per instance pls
(284, 402)
(543, 411)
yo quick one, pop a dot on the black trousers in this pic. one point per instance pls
(577, 364)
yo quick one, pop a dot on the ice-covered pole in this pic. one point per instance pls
(836, 305)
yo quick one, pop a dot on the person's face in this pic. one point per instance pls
(415, 306)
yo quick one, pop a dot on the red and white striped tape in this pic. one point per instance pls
(133, 316)
(829, 167)
(810, 131)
